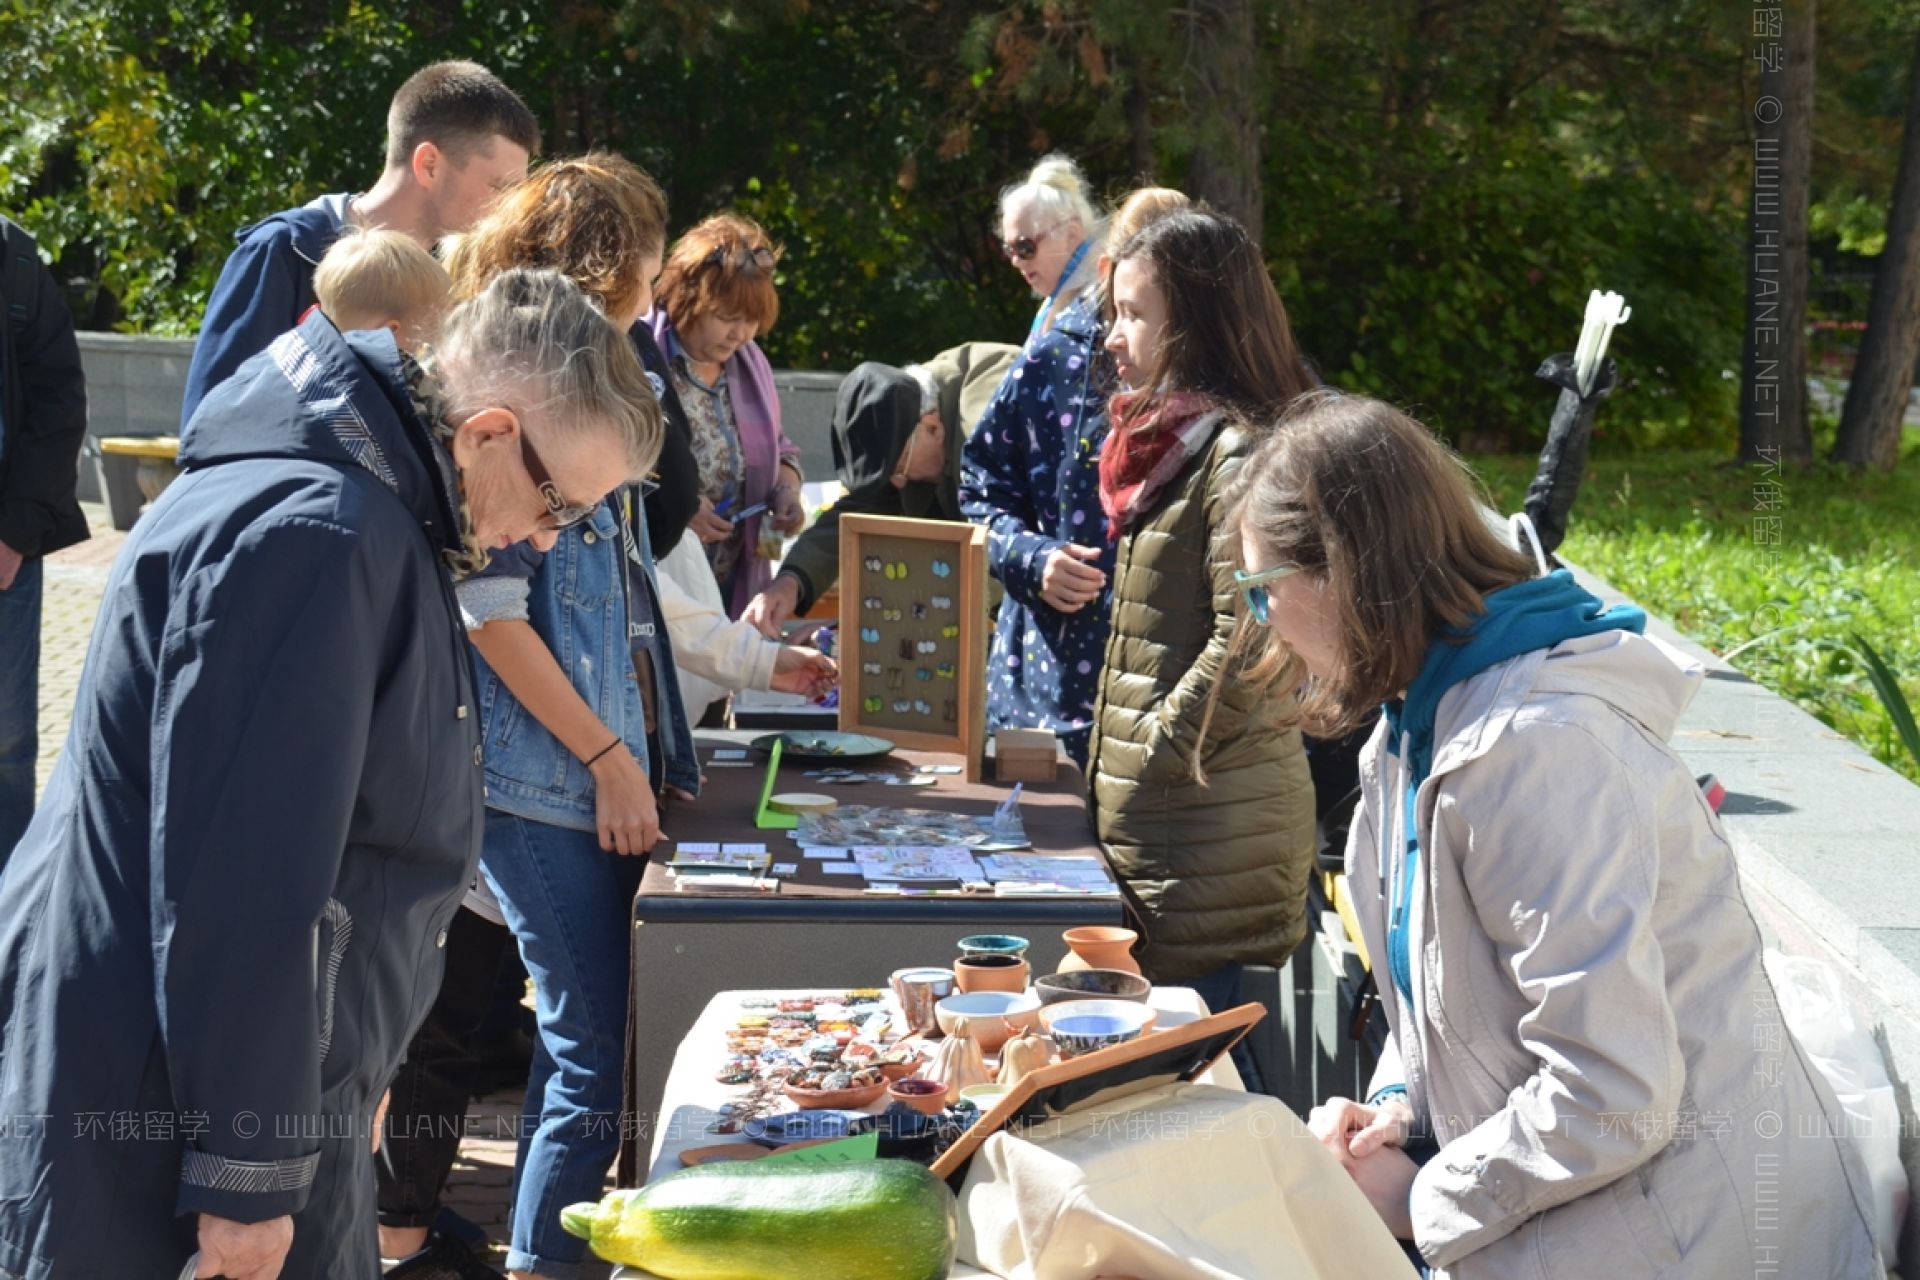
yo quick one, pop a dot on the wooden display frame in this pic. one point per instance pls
(909, 617)
(1175, 1055)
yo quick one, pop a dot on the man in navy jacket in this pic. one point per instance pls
(456, 137)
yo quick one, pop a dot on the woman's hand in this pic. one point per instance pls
(707, 526)
(1352, 1129)
(243, 1250)
(623, 806)
(807, 672)
(1386, 1179)
(1069, 580)
(769, 611)
(784, 511)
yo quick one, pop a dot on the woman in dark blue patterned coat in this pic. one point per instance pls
(1032, 477)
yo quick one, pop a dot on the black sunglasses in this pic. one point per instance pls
(1025, 247)
(561, 514)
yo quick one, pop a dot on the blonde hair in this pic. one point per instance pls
(1056, 186)
(534, 342)
(595, 218)
(372, 277)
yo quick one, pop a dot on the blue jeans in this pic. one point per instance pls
(570, 907)
(19, 702)
(1221, 990)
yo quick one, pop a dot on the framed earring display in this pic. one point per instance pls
(913, 631)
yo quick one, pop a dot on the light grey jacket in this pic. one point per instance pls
(1592, 1038)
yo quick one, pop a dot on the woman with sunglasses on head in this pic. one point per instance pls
(1205, 807)
(1583, 1039)
(1031, 476)
(582, 723)
(714, 297)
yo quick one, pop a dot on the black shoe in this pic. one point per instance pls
(444, 1259)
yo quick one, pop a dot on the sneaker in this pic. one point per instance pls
(443, 1259)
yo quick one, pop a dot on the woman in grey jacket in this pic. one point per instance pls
(1580, 1021)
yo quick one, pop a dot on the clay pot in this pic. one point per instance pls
(928, 1097)
(991, 973)
(1099, 946)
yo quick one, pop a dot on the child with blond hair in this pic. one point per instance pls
(375, 279)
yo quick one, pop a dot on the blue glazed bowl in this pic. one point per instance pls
(993, 944)
(1087, 1026)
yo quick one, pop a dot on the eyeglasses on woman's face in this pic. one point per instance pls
(1253, 589)
(561, 514)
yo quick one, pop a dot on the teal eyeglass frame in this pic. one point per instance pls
(1253, 588)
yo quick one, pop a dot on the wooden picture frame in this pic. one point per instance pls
(913, 634)
(1176, 1055)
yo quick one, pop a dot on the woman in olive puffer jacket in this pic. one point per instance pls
(1207, 817)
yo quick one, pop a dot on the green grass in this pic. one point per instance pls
(1676, 531)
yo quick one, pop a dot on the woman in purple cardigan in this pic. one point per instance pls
(715, 294)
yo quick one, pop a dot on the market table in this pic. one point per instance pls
(691, 939)
(691, 1104)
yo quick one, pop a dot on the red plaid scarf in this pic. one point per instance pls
(1149, 444)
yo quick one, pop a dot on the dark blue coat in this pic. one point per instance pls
(263, 290)
(1031, 474)
(224, 924)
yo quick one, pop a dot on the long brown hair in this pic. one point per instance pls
(1391, 523)
(1227, 333)
(594, 219)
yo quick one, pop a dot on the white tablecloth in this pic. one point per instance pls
(693, 1099)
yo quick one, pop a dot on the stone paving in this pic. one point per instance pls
(76, 579)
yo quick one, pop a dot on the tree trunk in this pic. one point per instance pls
(1773, 384)
(1225, 170)
(1883, 376)
(1139, 128)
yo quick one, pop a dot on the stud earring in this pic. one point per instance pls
(870, 668)
(869, 635)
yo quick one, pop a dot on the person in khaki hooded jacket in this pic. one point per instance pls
(1584, 1042)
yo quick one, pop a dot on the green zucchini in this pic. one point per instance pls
(776, 1220)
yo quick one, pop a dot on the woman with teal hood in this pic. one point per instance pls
(1583, 1042)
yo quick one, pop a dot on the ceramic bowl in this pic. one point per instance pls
(928, 1097)
(991, 1017)
(838, 1099)
(1087, 1026)
(993, 944)
(998, 971)
(1092, 984)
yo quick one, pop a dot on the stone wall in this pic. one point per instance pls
(135, 384)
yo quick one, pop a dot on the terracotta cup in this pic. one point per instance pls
(991, 973)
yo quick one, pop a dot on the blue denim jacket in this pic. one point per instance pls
(578, 602)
